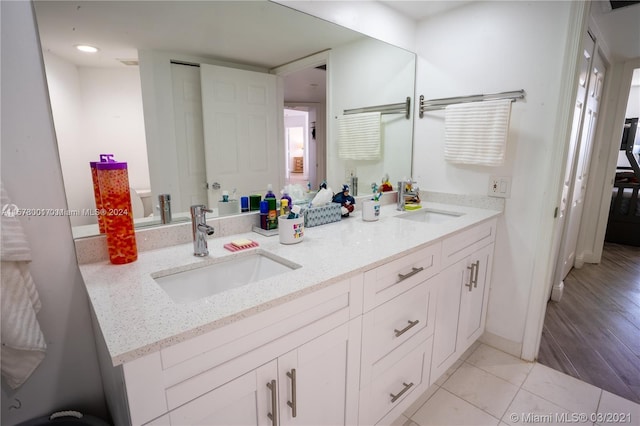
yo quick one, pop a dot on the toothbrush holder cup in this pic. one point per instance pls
(291, 231)
(370, 210)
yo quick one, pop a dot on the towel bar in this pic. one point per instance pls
(433, 104)
(399, 108)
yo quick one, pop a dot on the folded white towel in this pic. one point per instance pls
(476, 132)
(359, 136)
(14, 245)
(23, 345)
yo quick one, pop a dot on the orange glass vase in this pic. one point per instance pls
(117, 213)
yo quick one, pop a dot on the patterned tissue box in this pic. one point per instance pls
(320, 215)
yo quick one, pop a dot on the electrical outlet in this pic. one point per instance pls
(500, 186)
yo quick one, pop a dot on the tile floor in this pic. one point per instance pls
(488, 387)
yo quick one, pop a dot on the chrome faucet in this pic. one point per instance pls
(408, 193)
(200, 229)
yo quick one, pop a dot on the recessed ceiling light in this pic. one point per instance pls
(86, 48)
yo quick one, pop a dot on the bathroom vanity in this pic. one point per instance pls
(365, 318)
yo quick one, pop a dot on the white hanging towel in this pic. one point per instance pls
(359, 136)
(23, 345)
(476, 132)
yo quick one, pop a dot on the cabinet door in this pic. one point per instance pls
(445, 338)
(473, 301)
(244, 401)
(314, 380)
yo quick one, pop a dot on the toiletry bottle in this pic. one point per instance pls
(272, 216)
(270, 193)
(284, 207)
(264, 215)
(254, 202)
(118, 214)
(285, 196)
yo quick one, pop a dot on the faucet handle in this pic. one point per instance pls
(199, 210)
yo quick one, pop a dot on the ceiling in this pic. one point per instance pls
(417, 10)
(259, 33)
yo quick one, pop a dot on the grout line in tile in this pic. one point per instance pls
(554, 402)
(471, 403)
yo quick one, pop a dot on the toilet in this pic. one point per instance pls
(136, 204)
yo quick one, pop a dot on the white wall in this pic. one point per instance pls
(488, 47)
(633, 106)
(368, 73)
(96, 111)
(68, 378)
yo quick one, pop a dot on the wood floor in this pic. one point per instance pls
(593, 333)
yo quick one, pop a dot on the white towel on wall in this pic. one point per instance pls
(476, 132)
(359, 136)
(23, 345)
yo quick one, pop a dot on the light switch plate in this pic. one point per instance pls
(500, 186)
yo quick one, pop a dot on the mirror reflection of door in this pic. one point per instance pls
(187, 106)
(305, 97)
(297, 147)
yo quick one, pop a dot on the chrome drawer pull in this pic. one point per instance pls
(410, 274)
(292, 403)
(475, 276)
(273, 415)
(394, 398)
(407, 328)
(470, 283)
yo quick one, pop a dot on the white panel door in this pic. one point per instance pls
(240, 130)
(445, 338)
(583, 159)
(320, 368)
(473, 300)
(244, 401)
(187, 103)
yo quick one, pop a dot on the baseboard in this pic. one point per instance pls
(557, 291)
(505, 345)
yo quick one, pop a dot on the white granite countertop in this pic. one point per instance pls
(137, 317)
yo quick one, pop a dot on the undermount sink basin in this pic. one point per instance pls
(430, 216)
(221, 275)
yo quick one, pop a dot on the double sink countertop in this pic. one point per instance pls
(137, 317)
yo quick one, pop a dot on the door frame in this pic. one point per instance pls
(322, 124)
(547, 250)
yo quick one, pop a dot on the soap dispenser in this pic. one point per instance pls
(285, 196)
(270, 193)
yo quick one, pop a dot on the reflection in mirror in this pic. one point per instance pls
(142, 92)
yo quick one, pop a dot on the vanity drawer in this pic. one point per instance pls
(461, 245)
(398, 320)
(388, 281)
(396, 378)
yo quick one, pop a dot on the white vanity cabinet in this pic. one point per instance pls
(462, 294)
(221, 377)
(355, 351)
(397, 330)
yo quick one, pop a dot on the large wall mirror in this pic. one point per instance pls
(145, 97)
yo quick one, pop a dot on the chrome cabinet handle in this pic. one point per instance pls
(470, 283)
(407, 328)
(273, 415)
(475, 276)
(410, 274)
(394, 398)
(292, 403)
